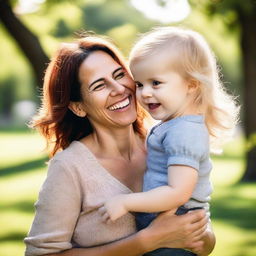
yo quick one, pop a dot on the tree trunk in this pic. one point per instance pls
(26, 40)
(248, 43)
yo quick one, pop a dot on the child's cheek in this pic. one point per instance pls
(138, 96)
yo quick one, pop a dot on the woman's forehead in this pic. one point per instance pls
(97, 65)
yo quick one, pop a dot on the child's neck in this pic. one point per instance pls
(186, 112)
(191, 111)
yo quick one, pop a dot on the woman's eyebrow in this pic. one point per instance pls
(116, 70)
(98, 80)
(102, 79)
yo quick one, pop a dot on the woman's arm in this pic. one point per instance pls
(132, 246)
(167, 230)
(181, 183)
(199, 237)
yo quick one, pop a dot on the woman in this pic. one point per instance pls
(90, 114)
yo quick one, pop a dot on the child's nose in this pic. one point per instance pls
(146, 92)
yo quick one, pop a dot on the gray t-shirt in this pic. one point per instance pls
(180, 141)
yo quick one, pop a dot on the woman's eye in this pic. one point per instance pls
(138, 84)
(120, 75)
(98, 87)
(155, 82)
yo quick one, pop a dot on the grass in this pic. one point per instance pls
(22, 171)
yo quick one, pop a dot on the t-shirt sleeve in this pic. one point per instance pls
(186, 146)
(57, 211)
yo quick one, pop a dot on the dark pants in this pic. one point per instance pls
(144, 219)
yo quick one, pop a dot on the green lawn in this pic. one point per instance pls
(22, 171)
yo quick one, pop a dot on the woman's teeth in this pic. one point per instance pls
(120, 105)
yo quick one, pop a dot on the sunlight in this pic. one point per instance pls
(165, 11)
(28, 6)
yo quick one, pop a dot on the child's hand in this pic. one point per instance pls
(113, 209)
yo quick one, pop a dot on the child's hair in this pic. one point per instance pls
(192, 58)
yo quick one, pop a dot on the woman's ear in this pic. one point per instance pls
(77, 108)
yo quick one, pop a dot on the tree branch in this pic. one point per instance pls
(27, 41)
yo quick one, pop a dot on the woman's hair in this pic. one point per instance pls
(54, 120)
(192, 58)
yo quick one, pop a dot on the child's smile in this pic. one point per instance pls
(153, 106)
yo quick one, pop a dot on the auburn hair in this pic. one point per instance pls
(54, 120)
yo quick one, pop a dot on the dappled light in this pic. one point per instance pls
(164, 11)
(23, 160)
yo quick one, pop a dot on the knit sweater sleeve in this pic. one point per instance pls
(57, 210)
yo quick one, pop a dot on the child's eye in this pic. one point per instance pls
(138, 85)
(155, 82)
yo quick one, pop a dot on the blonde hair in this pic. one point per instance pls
(193, 59)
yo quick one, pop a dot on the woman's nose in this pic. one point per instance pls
(117, 88)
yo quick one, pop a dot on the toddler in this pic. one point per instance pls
(177, 83)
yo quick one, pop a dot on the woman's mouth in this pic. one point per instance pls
(121, 105)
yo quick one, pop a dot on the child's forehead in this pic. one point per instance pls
(156, 62)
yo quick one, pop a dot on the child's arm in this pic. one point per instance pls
(181, 179)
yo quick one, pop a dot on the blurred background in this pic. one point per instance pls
(31, 31)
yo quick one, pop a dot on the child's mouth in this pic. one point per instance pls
(153, 106)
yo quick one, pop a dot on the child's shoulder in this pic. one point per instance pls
(193, 125)
(187, 134)
(189, 125)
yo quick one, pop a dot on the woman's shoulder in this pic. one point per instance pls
(74, 155)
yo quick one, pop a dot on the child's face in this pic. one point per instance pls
(160, 90)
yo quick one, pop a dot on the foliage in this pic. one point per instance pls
(119, 20)
(52, 25)
(229, 10)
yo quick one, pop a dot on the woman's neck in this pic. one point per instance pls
(113, 143)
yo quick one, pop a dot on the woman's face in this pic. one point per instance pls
(108, 91)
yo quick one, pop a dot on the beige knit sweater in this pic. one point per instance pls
(66, 211)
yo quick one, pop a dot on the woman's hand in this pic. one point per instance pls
(208, 244)
(172, 231)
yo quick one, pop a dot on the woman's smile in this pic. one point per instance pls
(121, 105)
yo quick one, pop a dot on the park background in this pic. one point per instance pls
(31, 31)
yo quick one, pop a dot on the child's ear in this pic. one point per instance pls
(77, 108)
(193, 85)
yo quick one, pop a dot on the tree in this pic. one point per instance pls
(100, 17)
(242, 15)
(27, 41)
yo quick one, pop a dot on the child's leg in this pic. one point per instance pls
(170, 252)
(143, 221)
(183, 210)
